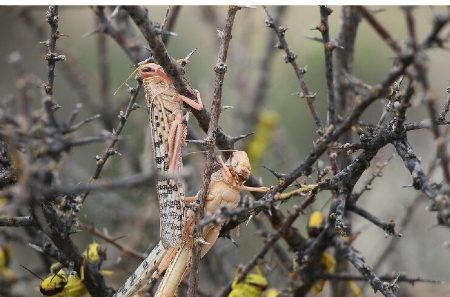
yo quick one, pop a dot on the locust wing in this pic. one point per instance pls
(170, 190)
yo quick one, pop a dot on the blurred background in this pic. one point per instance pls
(286, 127)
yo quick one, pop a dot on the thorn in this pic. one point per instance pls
(220, 34)
(163, 32)
(190, 54)
(237, 138)
(249, 219)
(246, 6)
(201, 240)
(313, 38)
(199, 141)
(377, 10)
(148, 60)
(275, 173)
(304, 96)
(87, 34)
(115, 11)
(232, 240)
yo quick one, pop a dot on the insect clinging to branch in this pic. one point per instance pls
(6, 273)
(63, 282)
(253, 285)
(316, 224)
(223, 192)
(168, 122)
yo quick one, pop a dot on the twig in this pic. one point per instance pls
(282, 255)
(446, 108)
(328, 47)
(125, 39)
(439, 22)
(387, 289)
(169, 22)
(425, 124)
(271, 242)
(261, 85)
(131, 181)
(123, 117)
(290, 57)
(69, 70)
(112, 241)
(413, 164)
(388, 227)
(16, 221)
(407, 217)
(104, 79)
(339, 210)
(404, 104)
(220, 70)
(87, 140)
(397, 277)
(52, 57)
(377, 172)
(77, 126)
(380, 29)
(432, 111)
(344, 91)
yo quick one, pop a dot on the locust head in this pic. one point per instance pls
(240, 166)
(152, 70)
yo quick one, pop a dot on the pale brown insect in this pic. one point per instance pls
(224, 191)
(169, 128)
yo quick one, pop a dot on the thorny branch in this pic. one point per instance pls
(110, 151)
(52, 205)
(271, 241)
(220, 70)
(380, 29)
(290, 57)
(386, 288)
(328, 48)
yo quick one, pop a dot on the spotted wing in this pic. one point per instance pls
(170, 190)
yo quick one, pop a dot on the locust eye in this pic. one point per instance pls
(148, 69)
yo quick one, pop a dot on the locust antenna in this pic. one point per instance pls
(32, 272)
(125, 81)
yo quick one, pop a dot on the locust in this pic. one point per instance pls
(168, 123)
(63, 282)
(223, 192)
(316, 224)
(253, 285)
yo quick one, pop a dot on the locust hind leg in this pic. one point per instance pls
(176, 138)
(175, 273)
(179, 268)
(210, 237)
(165, 263)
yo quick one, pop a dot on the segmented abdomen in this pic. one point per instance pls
(170, 190)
